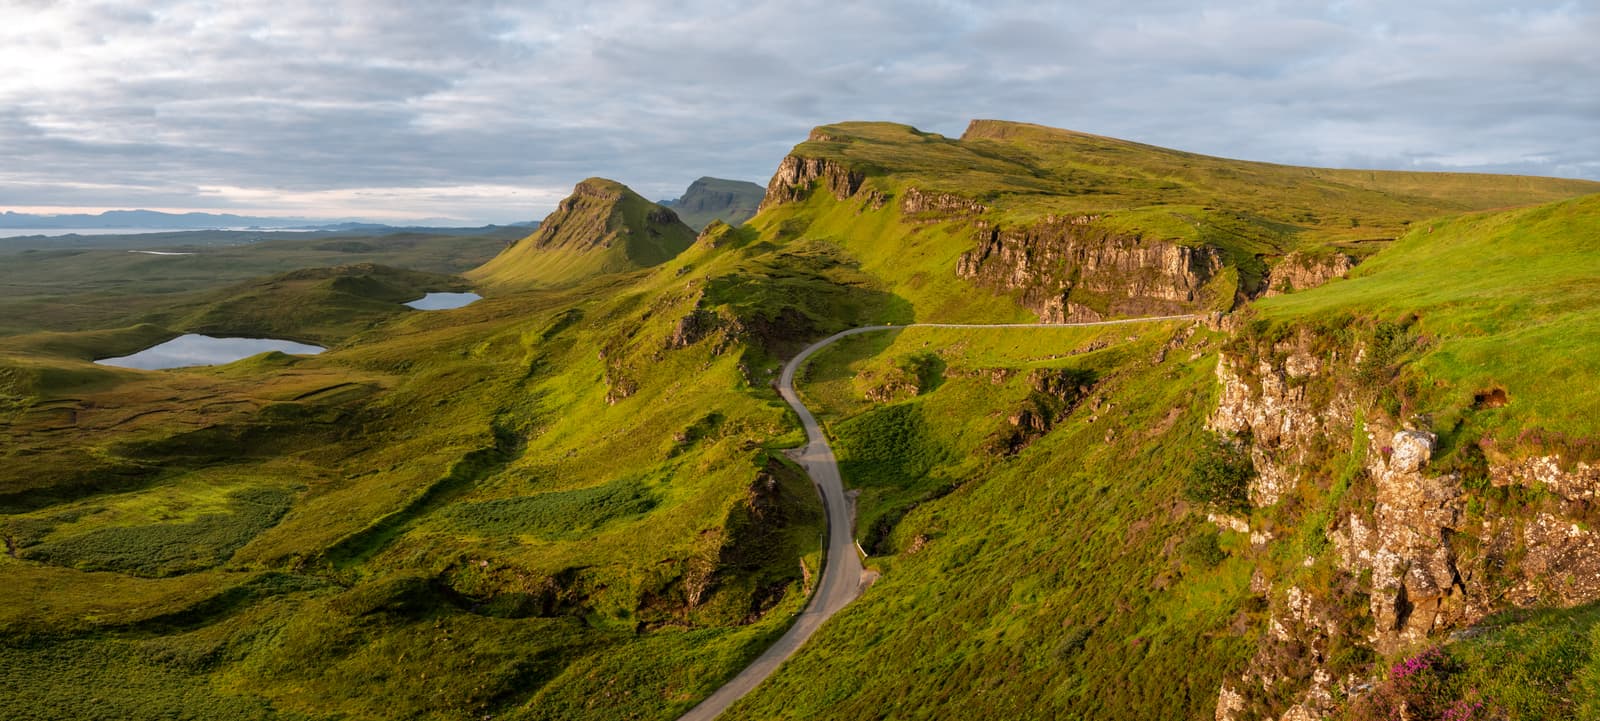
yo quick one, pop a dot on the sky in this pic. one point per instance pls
(485, 112)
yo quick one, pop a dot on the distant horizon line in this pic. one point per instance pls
(67, 212)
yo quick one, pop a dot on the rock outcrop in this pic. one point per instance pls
(797, 175)
(1416, 588)
(1416, 559)
(1582, 483)
(1273, 410)
(1055, 393)
(933, 206)
(1298, 271)
(1072, 270)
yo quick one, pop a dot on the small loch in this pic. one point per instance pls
(203, 350)
(444, 301)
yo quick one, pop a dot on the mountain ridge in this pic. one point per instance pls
(708, 199)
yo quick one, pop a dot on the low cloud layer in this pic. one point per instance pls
(489, 112)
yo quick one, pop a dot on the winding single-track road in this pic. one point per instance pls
(841, 580)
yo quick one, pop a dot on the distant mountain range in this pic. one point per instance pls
(138, 219)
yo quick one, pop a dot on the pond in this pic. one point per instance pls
(444, 301)
(204, 350)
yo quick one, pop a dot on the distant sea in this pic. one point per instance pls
(18, 232)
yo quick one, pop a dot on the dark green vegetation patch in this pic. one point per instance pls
(555, 514)
(161, 549)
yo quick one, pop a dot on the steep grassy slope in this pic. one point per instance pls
(1506, 301)
(996, 533)
(603, 227)
(707, 199)
(995, 561)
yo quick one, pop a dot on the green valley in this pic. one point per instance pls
(1361, 436)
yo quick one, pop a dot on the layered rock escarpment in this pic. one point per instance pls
(918, 203)
(1063, 267)
(1412, 553)
(1071, 270)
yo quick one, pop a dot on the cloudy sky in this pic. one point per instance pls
(490, 111)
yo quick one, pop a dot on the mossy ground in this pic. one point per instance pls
(1506, 301)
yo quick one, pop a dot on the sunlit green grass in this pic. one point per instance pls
(1506, 300)
(997, 598)
(549, 504)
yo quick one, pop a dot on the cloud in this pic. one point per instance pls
(378, 108)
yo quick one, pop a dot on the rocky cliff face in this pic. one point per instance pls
(1411, 552)
(1065, 269)
(920, 204)
(796, 176)
(1070, 270)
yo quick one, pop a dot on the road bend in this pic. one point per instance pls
(841, 580)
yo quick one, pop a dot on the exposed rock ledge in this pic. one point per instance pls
(1070, 270)
(796, 174)
(1298, 271)
(939, 206)
(1420, 559)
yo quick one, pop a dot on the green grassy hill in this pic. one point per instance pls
(603, 227)
(1077, 226)
(567, 501)
(1027, 171)
(995, 562)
